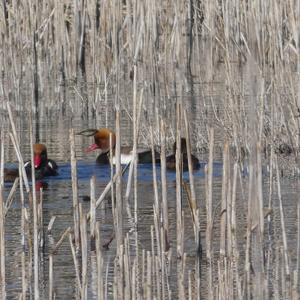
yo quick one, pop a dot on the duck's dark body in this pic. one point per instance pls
(46, 169)
(171, 162)
(105, 139)
(171, 159)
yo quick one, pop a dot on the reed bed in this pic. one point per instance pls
(223, 74)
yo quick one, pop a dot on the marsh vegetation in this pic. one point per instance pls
(222, 74)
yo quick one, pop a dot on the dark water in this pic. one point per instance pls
(57, 201)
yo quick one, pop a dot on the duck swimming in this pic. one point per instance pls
(171, 159)
(102, 143)
(43, 166)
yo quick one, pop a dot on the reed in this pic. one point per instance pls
(75, 192)
(222, 74)
(33, 198)
(2, 223)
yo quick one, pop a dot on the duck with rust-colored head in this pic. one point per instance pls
(171, 159)
(43, 166)
(105, 137)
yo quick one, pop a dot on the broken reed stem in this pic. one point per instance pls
(50, 225)
(10, 196)
(51, 257)
(108, 188)
(75, 260)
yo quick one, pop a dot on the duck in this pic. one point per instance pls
(171, 159)
(43, 166)
(102, 143)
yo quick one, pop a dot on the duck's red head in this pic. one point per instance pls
(39, 154)
(102, 140)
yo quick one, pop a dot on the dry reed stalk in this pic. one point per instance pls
(143, 266)
(156, 213)
(127, 264)
(14, 139)
(179, 212)
(119, 206)
(223, 214)
(287, 273)
(197, 281)
(296, 272)
(229, 211)
(248, 239)
(23, 235)
(35, 220)
(133, 165)
(157, 277)
(178, 184)
(191, 176)
(165, 217)
(74, 190)
(149, 277)
(209, 214)
(152, 245)
(163, 276)
(76, 263)
(276, 275)
(41, 219)
(92, 213)
(100, 289)
(84, 255)
(51, 257)
(2, 224)
(112, 188)
(190, 287)
(269, 220)
(50, 225)
(109, 187)
(51, 294)
(136, 120)
(119, 274)
(10, 196)
(134, 278)
(233, 228)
